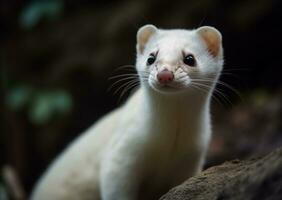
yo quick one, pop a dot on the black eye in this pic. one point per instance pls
(151, 59)
(190, 60)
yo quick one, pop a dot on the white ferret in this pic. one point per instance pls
(159, 137)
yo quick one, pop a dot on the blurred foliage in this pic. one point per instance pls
(18, 97)
(48, 104)
(42, 105)
(260, 98)
(35, 11)
(3, 192)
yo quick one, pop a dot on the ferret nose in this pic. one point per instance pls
(165, 76)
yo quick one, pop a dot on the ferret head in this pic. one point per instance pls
(170, 61)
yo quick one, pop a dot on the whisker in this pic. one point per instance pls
(234, 68)
(182, 76)
(120, 80)
(132, 88)
(230, 88)
(229, 74)
(131, 79)
(153, 78)
(127, 88)
(123, 75)
(123, 85)
(124, 67)
(206, 91)
(223, 84)
(216, 92)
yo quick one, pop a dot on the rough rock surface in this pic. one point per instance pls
(255, 179)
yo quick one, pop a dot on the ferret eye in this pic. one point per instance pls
(151, 59)
(189, 60)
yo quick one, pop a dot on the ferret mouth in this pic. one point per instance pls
(165, 88)
(177, 85)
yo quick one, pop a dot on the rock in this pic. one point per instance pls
(254, 179)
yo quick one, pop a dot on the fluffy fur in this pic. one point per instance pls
(158, 138)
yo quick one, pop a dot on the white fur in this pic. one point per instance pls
(156, 140)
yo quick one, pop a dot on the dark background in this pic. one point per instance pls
(56, 58)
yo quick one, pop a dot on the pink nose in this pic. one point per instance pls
(165, 76)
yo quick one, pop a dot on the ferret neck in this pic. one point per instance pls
(188, 101)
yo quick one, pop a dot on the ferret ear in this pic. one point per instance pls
(212, 38)
(143, 36)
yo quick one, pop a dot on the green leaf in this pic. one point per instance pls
(36, 10)
(41, 109)
(18, 97)
(48, 104)
(62, 101)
